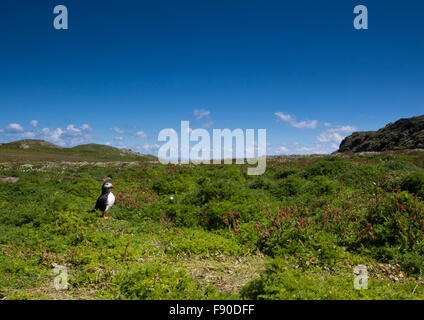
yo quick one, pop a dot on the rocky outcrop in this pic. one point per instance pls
(400, 135)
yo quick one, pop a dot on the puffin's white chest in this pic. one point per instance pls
(110, 201)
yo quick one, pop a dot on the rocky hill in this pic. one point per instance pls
(400, 135)
(43, 150)
(30, 144)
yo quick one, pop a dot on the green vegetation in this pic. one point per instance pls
(213, 232)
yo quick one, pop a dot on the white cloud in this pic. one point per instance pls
(317, 148)
(151, 147)
(208, 124)
(312, 124)
(305, 124)
(282, 149)
(1, 130)
(14, 128)
(306, 149)
(327, 136)
(121, 144)
(141, 134)
(86, 127)
(119, 138)
(71, 136)
(52, 135)
(346, 129)
(33, 123)
(334, 134)
(328, 140)
(199, 114)
(72, 131)
(117, 130)
(284, 117)
(28, 134)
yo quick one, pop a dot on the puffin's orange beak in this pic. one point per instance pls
(112, 186)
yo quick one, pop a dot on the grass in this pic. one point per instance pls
(213, 232)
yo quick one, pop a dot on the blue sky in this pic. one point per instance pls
(125, 70)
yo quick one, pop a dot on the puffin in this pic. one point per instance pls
(106, 200)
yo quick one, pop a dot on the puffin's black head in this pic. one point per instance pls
(106, 187)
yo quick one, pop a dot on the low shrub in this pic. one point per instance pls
(281, 280)
(414, 183)
(154, 281)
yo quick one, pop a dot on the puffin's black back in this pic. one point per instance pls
(101, 203)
